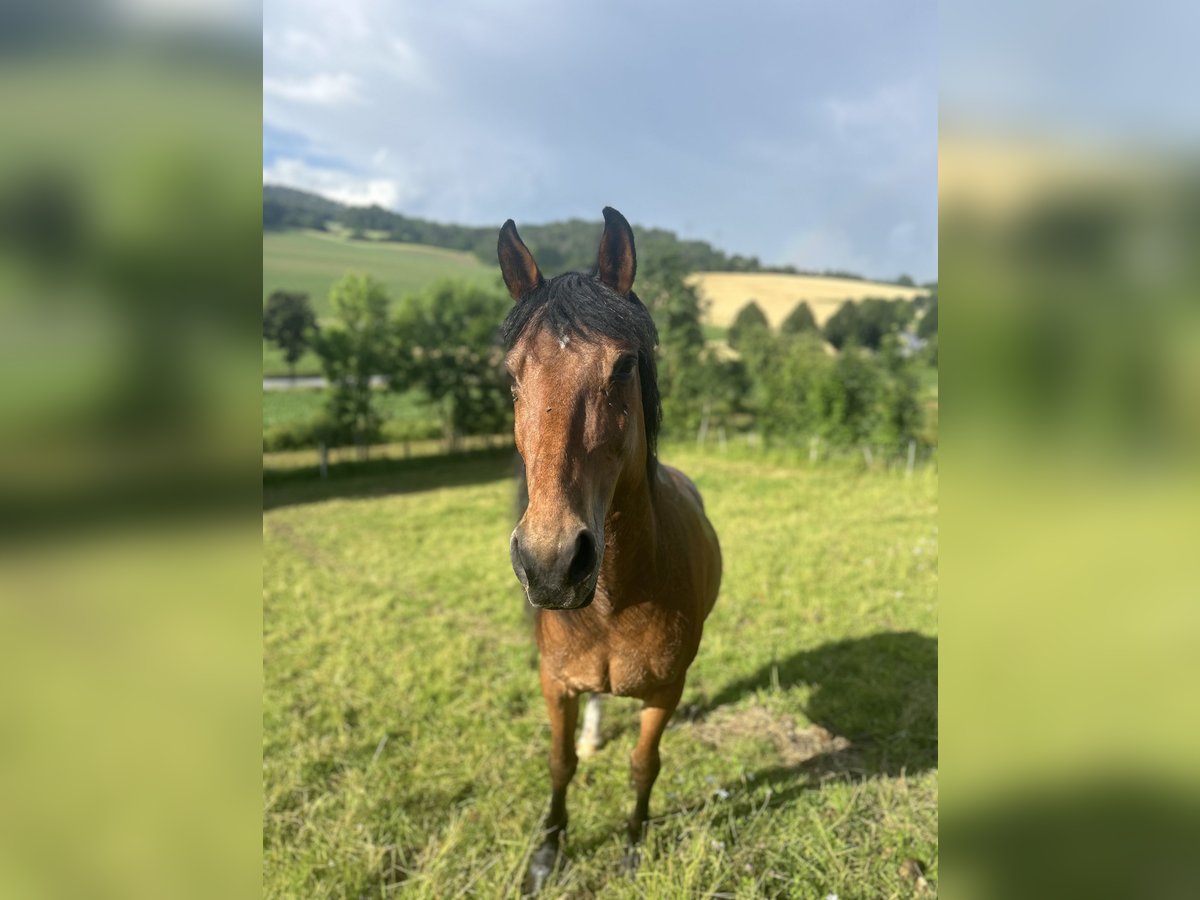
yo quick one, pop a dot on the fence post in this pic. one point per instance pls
(912, 458)
(324, 460)
(867, 455)
(721, 438)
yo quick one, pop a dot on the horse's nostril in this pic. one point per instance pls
(583, 563)
(518, 560)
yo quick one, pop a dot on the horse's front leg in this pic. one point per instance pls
(563, 709)
(645, 762)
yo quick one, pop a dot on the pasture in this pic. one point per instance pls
(399, 410)
(778, 294)
(404, 735)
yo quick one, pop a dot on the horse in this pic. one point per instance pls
(614, 551)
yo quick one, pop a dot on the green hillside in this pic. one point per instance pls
(311, 261)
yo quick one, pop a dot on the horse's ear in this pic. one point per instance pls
(520, 272)
(617, 262)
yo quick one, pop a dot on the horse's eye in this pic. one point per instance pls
(623, 370)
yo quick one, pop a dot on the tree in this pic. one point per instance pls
(928, 326)
(866, 322)
(787, 377)
(899, 409)
(750, 318)
(354, 350)
(798, 320)
(289, 322)
(676, 309)
(447, 337)
(846, 398)
(842, 326)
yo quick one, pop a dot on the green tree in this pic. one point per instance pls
(842, 326)
(898, 418)
(677, 309)
(845, 399)
(359, 346)
(799, 319)
(865, 322)
(290, 323)
(928, 326)
(447, 337)
(787, 378)
(750, 319)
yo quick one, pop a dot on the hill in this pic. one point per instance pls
(778, 293)
(558, 246)
(312, 261)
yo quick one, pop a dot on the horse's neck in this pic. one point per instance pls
(630, 538)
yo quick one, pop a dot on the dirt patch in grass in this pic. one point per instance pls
(793, 743)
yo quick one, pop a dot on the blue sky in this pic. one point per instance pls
(803, 133)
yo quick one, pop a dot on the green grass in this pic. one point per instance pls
(404, 734)
(311, 261)
(274, 364)
(288, 407)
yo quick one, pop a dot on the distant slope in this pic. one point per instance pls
(778, 294)
(312, 261)
(558, 246)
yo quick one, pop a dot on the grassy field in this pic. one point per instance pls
(287, 407)
(311, 261)
(778, 294)
(404, 734)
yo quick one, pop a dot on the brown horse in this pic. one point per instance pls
(613, 550)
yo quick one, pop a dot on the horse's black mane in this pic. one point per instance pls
(579, 306)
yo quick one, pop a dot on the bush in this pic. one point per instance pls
(290, 436)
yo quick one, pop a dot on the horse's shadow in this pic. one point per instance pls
(878, 693)
(872, 702)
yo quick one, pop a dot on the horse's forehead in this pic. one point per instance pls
(563, 357)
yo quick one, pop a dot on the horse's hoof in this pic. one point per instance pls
(631, 860)
(540, 867)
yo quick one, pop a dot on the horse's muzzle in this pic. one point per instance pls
(559, 574)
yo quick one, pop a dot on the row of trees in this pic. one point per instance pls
(787, 384)
(441, 341)
(865, 323)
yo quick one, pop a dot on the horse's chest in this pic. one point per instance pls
(629, 662)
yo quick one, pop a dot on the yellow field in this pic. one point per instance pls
(778, 294)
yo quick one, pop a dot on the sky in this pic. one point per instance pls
(802, 133)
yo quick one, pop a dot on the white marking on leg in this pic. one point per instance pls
(589, 738)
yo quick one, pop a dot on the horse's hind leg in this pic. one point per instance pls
(563, 710)
(644, 763)
(589, 739)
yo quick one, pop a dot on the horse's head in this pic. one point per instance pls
(581, 358)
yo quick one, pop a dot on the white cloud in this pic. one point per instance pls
(323, 89)
(888, 109)
(336, 185)
(294, 45)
